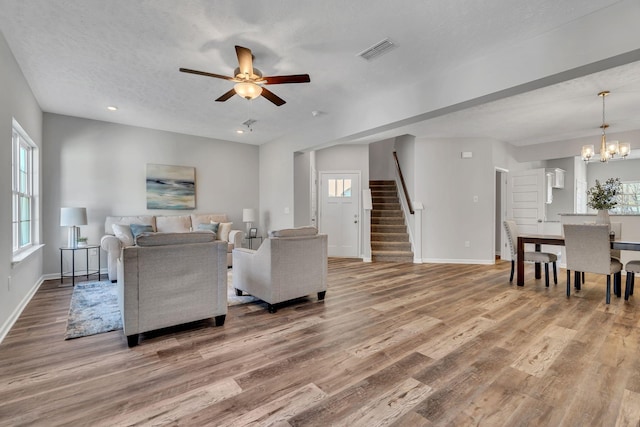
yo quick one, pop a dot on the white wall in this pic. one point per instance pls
(347, 158)
(563, 198)
(381, 166)
(17, 102)
(302, 189)
(102, 166)
(447, 185)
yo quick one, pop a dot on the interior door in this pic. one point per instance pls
(526, 200)
(340, 212)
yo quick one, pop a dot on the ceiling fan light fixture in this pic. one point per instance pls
(248, 90)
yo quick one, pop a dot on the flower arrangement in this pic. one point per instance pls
(603, 196)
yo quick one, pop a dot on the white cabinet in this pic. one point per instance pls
(558, 177)
(549, 185)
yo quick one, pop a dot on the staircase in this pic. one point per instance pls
(389, 237)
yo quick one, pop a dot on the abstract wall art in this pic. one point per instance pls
(171, 187)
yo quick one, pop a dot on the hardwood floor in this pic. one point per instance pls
(392, 344)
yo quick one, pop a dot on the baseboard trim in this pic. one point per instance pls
(8, 324)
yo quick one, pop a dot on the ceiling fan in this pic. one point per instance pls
(249, 80)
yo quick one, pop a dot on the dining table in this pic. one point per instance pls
(542, 239)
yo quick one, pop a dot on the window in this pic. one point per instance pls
(628, 199)
(22, 186)
(339, 187)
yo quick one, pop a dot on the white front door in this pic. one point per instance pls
(527, 200)
(340, 212)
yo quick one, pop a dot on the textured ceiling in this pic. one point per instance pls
(81, 56)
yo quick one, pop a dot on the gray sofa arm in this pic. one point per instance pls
(112, 246)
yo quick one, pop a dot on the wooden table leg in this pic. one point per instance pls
(520, 263)
(538, 270)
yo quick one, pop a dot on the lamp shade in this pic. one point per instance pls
(73, 216)
(248, 215)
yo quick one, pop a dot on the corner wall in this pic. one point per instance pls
(17, 282)
(102, 166)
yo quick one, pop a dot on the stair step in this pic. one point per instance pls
(386, 228)
(386, 206)
(389, 237)
(387, 213)
(383, 192)
(391, 220)
(377, 183)
(391, 246)
(391, 256)
(385, 199)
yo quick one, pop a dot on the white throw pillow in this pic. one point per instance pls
(223, 231)
(123, 233)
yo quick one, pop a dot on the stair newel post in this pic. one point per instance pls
(417, 238)
(367, 206)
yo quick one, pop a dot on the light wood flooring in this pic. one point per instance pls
(392, 344)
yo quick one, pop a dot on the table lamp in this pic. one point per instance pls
(72, 218)
(248, 216)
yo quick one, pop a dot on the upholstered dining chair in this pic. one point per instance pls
(529, 256)
(588, 250)
(631, 268)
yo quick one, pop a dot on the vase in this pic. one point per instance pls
(603, 217)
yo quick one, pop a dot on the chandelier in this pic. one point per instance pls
(608, 149)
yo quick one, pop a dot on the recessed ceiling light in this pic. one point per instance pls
(239, 131)
(112, 108)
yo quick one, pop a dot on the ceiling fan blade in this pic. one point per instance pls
(296, 78)
(226, 96)
(245, 60)
(272, 97)
(204, 73)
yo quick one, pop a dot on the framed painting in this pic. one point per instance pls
(171, 187)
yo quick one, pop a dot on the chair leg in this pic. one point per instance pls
(546, 274)
(555, 274)
(618, 280)
(568, 282)
(583, 277)
(633, 277)
(321, 295)
(220, 319)
(627, 287)
(577, 280)
(513, 263)
(608, 300)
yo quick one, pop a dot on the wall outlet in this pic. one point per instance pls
(467, 244)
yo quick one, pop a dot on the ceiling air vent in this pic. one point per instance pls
(377, 49)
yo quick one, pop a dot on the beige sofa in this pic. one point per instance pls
(112, 244)
(169, 279)
(289, 264)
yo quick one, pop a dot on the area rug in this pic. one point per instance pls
(94, 309)
(232, 298)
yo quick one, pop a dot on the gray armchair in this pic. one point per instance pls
(171, 278)
(290, 263)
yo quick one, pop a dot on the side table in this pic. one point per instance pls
(73, 251)
(251, 239)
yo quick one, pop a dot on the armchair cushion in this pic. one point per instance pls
(294, 232)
